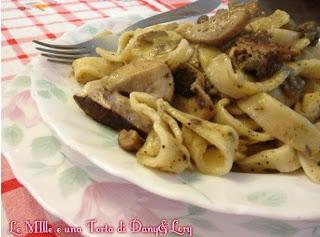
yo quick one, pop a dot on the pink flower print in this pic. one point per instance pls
(22, 110)
(110, 202)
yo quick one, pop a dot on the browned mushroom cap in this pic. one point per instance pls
(130, 140)
(220, 28)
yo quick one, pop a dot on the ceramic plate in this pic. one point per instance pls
(75, 190)
(270, 195)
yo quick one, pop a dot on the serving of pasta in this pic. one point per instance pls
(237, 91)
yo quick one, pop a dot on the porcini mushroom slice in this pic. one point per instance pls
(219, 28)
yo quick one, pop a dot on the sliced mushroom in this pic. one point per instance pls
(112, 109)
(152, 77)
(105, 101)
(153, 35)
(224, 25)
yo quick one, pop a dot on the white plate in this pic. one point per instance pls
(43, 165)
(269, 195)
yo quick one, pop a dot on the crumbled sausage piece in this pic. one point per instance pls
(130, 140)
(184, 76)
(256, 54)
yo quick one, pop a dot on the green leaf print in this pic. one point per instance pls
(45, 84)
(44, 94)
(194, 210)
(90, 29)
(12, 135)
(49, 89)
(268, 197)
(271, 227)
(189, 177)
(71, 180)
(22, 81)
(109, 135)
(45, 146)
(58, 93)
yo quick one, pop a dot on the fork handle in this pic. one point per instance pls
(194, 9)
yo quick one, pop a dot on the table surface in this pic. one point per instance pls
(23, 21)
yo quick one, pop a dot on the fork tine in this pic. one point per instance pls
(60, 61)
(61, 56)
(66, 52)
(57, 46)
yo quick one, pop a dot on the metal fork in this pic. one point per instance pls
(67, 53)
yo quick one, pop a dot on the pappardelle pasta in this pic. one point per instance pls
(237, 91)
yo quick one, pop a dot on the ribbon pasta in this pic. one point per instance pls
(311, 167)
(236, 84)
(163, 148)
(224, 117)
(228, 119)
(276, 20)
(152, 43)
(289, 126)
(310, 106)
(92, 68)
(289, 38)
(309, 69)
(284, 159)
(223, 137)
